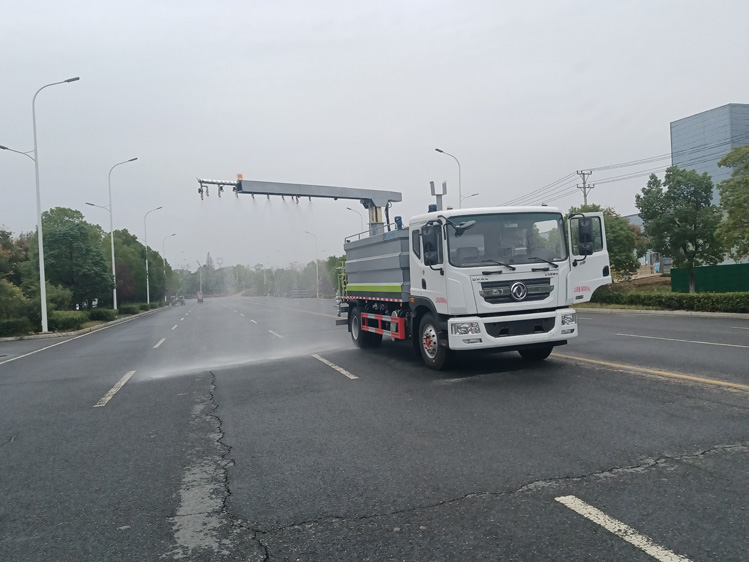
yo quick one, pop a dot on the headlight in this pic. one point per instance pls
(568, 319)
(465, 328)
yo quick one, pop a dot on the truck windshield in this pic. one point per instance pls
(509, 238)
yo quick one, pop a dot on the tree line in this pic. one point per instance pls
(77, 265)
(679, 217)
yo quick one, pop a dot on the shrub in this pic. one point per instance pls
(143, 306)
(704, 302)
(155, 305)
(129, 309)
(15, 327)
(67, 320)
(102, 314)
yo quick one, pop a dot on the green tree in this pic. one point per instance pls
(73, 256)
(13, 252)
(734, 199)
(680, 221)
(13, 303)
(621, 240)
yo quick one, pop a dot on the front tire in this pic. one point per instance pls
(434, 354)
(536, 353)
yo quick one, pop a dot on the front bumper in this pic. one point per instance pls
(512, 331)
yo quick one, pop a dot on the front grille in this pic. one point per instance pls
(520, 327)
(500, 292)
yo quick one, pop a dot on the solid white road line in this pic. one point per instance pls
(684, 341)
(275, 334)
(66, 341)
(620, 530)
(251, 320)
(175, 326)
(108, 396)
(162, 340)
(341, 370)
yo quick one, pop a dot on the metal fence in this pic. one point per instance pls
(715, 279)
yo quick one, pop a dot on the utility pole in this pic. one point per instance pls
(585, 187)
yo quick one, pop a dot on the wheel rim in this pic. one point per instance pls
(429, 341)
(355, 327)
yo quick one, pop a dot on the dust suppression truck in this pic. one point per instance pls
(501, 279)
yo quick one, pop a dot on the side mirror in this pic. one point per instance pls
(585, 236)
(430, 238)
(430, 258)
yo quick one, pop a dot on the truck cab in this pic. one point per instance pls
(505, 278)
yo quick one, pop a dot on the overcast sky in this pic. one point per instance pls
(344, 93)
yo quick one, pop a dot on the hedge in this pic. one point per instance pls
(15, 327)
(129, 309)
(704, 302)
(102, 314)
(67, 320)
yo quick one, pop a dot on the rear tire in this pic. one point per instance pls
(537, 353)
(357, 335)
(361, 338)
(434, 354)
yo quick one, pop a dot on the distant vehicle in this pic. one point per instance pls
(181, 300)
(200, 297)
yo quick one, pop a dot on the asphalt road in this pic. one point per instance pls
(252, 429)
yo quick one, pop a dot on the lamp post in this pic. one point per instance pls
(111, 232)
(163, 259)
(317, 268)
(361, 219)
(460, 192)
(145, 242)
(467, 197)
(35, 158)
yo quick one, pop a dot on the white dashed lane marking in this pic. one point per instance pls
(620, 530)
(685, 341)
(108, 396)
(162, 340)
(332, 365)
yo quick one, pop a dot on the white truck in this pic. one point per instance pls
(500, 278)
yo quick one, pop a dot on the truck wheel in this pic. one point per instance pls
(435, 356)
(358, 336)
(536, 354)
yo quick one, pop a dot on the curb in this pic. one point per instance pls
(698, 314)
(101, 326)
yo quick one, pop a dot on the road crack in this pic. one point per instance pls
(202, 525)
(645, 465)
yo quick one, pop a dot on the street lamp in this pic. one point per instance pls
(145, 242)
(163, 258)
(317, 268)
(361, 219)
(111, 232)
(460, 193)
(467, 197)
(26, 154)
(35, 158)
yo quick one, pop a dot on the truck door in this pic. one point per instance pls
(589, 256)
(427, 271)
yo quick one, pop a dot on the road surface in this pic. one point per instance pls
(252, 429)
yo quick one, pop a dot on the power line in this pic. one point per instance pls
(555, 191)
